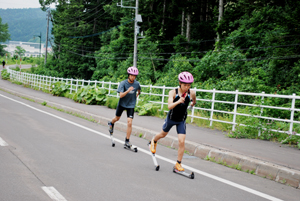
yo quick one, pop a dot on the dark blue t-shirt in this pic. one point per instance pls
(129, 100)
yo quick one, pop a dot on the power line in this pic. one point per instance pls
(99, 57)
(196, 42)
(83, 15)
(96, 34)
(88, 17)
(194, 60)
(198, 52)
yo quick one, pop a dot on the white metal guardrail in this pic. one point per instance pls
(46, 82)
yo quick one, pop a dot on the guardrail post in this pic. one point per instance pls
(43, 81)
(50, 82)
(235, 109)
(163, 97)
(193, 110)
(102, 84)
(109, 87)
(40, 81)
(292, 114)
(261, 111)
(118, 93)
(212, 107)
(34, 80)
(95, 84)
(76, 85)
(71, 84)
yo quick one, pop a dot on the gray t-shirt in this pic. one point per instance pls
(129, 100)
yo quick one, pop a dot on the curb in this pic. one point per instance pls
(278, 173)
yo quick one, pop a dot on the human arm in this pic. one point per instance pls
(139, 92)
(123, 94)
(171, 105)
(193, 97)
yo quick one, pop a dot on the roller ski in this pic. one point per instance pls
(179, 170)
(129, 146)
(152, 147)
(111, 130)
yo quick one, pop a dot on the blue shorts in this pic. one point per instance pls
(180, 126)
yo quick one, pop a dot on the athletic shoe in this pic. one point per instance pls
(127, 144)
(178, 167)
(111, 127)
(153, 146)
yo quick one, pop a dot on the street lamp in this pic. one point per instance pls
(40, 36)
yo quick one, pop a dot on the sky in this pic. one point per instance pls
(4, 4)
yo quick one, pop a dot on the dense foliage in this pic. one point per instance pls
(5, 75)
(258, 48)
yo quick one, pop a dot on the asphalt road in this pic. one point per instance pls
(44, 153)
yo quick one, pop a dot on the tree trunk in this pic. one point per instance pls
(202, 5)
(221, 4)
(188, 26)
(59, 51)
(182, 23)
(163, 20)
(220, 16)
(151, 9)
(206, 13)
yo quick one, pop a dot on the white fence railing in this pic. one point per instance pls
(46, 82)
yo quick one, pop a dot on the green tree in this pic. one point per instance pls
(19, 51)
(4, 36)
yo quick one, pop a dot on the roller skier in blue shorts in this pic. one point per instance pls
(178, 103)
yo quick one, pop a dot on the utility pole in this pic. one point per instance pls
(48, 14)
(40, 36)
(135, 34)
(138, 18)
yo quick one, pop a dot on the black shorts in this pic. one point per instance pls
(120, 109)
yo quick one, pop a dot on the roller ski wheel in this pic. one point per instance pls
(110, 129)
(134, 149)
(185, 174)
(153, 158)
(112, 140)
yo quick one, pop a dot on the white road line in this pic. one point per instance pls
(244, 188)
(53, 193)
(2, 142)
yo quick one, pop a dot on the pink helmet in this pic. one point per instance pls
(186, 77)
(132, 70)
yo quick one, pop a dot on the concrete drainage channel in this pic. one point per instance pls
(237, 161)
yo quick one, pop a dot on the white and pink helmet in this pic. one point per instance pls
(186, 77)
(132, 70)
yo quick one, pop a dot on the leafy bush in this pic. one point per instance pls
(146, 108)
(5, 75)
(90, 95)
(292, 139)
(112, 102)
(59, 89)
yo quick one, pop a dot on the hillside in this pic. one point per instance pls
(23, 24)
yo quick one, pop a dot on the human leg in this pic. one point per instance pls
(181, 140)
(119, 112)
(168, 124)
(153, 142)
(181, 146)
(129, 128)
